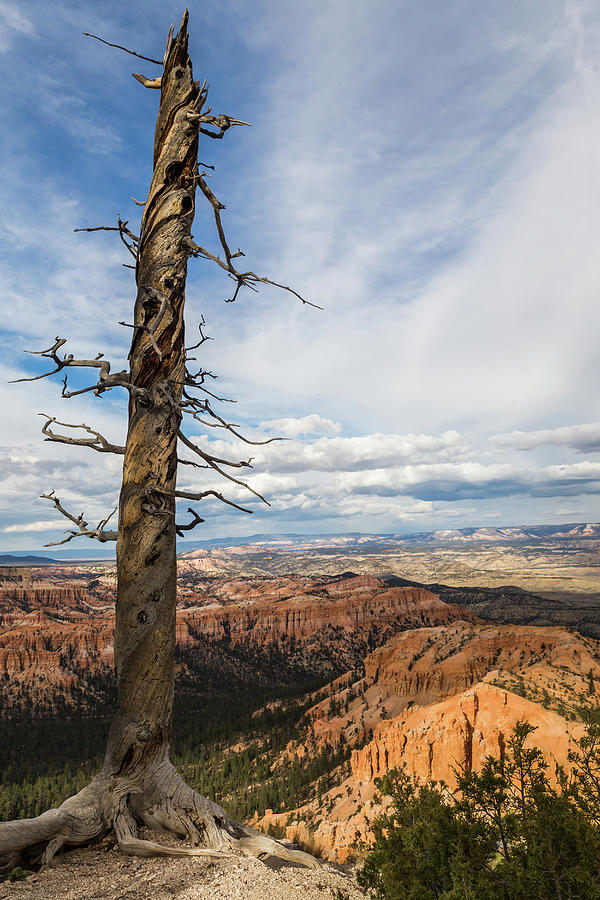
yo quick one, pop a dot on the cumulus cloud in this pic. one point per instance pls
(473, 480)
(43, 525)
(353, 453)
(293, 427)
(585, 438)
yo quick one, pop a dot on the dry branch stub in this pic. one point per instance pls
(137, 783)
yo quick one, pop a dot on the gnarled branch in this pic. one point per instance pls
(222, 122)
(196, 520)
(195, 407)
(123, 230)
(106, 382)
(154, 83)
(99, 533)
(201, 495)
(97, 442)
(68, 360)
(197, 382)
(203, 338)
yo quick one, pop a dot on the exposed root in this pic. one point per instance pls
(261, 846)
(139, 847)
(120, 806)
(34, 842)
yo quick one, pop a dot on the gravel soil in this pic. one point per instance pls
(100, 874)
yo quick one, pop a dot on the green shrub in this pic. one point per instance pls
(506, 835)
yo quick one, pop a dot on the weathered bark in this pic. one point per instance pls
(146, 563)
(138, 783)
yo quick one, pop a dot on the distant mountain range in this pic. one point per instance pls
(509, 535)
(518, 534)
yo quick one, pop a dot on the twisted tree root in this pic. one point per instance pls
(112, 805)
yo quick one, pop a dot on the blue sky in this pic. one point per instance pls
(429, 172)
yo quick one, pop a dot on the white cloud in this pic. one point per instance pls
(43, 525)
(445, 481)
(452, 243)
(350, 453)
(293, 427)
(439, 193)
(579, 437)
(70, 112)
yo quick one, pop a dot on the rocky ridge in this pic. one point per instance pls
(438, 699)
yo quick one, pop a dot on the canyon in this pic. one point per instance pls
(56, 634)
(364, 672)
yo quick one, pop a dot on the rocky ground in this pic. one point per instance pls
(94, 874)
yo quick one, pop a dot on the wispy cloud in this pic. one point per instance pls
(12, 21)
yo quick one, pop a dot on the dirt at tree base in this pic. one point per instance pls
(107, 874)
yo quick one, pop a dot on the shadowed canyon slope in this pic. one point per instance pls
(56, 637)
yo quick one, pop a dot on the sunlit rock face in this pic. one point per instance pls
(435, 741)
(438, 699)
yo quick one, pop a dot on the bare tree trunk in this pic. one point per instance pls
(137, 783)
(146, 561)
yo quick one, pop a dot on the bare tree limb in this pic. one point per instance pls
(154, 83)
(118, 47)
(242, 279)
(97, 442)
(213, 462)
(105, 382)
(203, 337)
(196, 520)
(190, 462)
(99, 533)
(192, 381)
(123, 230)
(100, 387)
(196, 407)
(222, 122)
(201, 495)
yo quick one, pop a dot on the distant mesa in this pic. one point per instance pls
(8, 559)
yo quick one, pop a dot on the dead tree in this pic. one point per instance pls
(138, 783)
